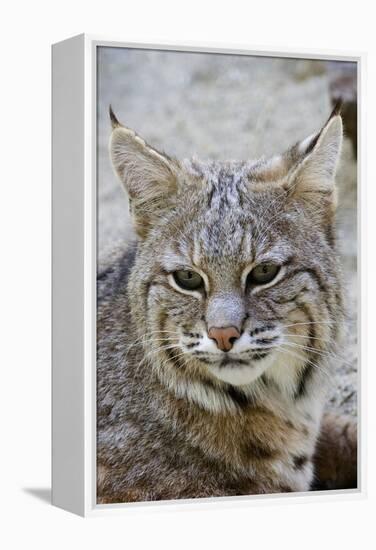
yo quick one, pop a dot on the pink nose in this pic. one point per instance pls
(224, 337)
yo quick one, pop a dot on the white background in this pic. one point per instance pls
(27, 30)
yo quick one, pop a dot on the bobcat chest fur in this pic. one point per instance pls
(217, 328)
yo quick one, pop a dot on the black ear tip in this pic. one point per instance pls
(337, 109)
(114, 121)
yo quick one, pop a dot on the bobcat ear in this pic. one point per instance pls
(148, 176)
(314, 160)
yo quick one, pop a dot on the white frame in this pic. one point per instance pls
(74, 277)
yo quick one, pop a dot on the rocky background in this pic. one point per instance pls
(228, 107)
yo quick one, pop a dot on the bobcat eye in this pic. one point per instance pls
(189, 280)
(263, 273)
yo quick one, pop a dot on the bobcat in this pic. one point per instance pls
(218, 327)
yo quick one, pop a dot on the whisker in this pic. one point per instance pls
(308, 337)
(315, 365)
(318, 323)
(153, 352)
(324, 353)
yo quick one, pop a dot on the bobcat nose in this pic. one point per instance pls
(224, 337)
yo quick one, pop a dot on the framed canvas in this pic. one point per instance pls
(206, 318)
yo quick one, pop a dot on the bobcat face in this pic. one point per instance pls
(230, 277)
(235, 274)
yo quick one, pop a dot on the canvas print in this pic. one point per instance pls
(226, 275)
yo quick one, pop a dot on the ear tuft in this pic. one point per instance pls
(337, 109)
(114, 121)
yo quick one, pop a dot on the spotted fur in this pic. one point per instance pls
(178, 417)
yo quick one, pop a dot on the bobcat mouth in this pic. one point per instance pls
(231, 361)
(228, 361)
(237, 371)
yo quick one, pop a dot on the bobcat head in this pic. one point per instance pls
(236, 279)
